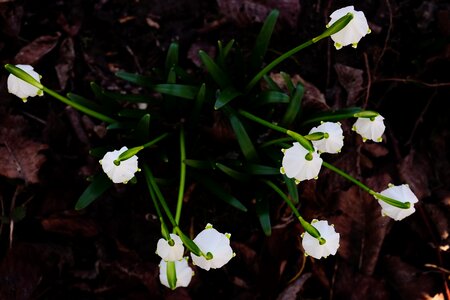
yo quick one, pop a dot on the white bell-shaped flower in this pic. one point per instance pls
(170, 252)
(217, 244)
(300, 164)
(334, 139)
(370, 129)
(183, 272)
(312, 245)
(21, 88)
(400, 193)
(352, 33)
(123, 172)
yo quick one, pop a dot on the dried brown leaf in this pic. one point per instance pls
(291, 291)
(65, 62)
(11, 19)
(20, 157)
(34, 51)
(375, 149)
(352, 81)
(71, 225)
(415, 170)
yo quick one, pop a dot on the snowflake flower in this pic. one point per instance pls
(21, 88)
(370, 129)
(183, 272)
(123, 172)
(352, 33)
(300, 164)
(217, 244)
(334, 139)
(400, 193)
(170, 252)
(312, 245)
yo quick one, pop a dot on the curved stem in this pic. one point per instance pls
(393, 202)
(182, 176)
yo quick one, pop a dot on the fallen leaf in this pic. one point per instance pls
(375, 149)
(415, 171)
(71, 224)
(65, 62)
(34, 51)
(291, 291)
(20, 157)
(352, 81)
(11, 19)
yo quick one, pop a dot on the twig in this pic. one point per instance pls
(406, 80)
(420, 118)
(386, 40)
(369, 80)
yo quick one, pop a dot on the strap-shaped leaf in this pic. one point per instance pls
(200, 164)
(121, 125)
(263, 40)
(172, 76)
(172, 57)
(332, 116)
(84, 101)
(98, 152)
(233, 173)
(292, 188)
(270, 97)
(272, 85)
(245, 143)
(98, 186)
(293, 109)
(224, 51)
(131, 113)
(219, 76)
(263, 212)
(178, 90)
(135, 78)
(257, 169)
(287, 80)
(219, 191)
(199, 101)
(226, 96)
(142, 131)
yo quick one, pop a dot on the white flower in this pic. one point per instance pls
(124, 171)
(353, 31)
(21, 88)
(370, 129)
(216, 243)
(314, 248)
(183, 272)
(400, 193)
(334, 140)
(168, 252)
(296, 165)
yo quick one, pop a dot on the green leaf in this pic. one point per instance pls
(135, 78)
(127, 97)
(84, 102)
(178, 90)
(132, 113)
(121, 125)
(292, 188)
(171, 274)
(244, 140)
(199, 101)
(172, 57)
(200, 164)
(172, 76)
(332, 116)
(130, 153)
(98, 186)
(188, 242)
(226, 96)
(18, 213)
(293, 109)
(269, 97)
(97, 90)
(223, 52)
(219, 76)
(263, 39)
(233, 173)
(260, 169)
(263, 212)
(272, 85)
(98, 152)
(217, 190)
(287, 80)
(142, 131)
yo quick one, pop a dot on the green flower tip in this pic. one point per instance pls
(322, 241)
(208, 226)
(282, 171)
(116, 162)
(228, 235)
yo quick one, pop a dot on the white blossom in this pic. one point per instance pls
(168, 252)
(300, 164)
(334, 140)
(400, 193)
(21, 88)
(370, 129)
(312, 245)
(217, 244)
(123, 172)
(183, 272)
(352, 33)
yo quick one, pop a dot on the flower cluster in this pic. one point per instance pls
(214, 246)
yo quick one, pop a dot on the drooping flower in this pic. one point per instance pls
(352, 33)
(122, 172)
(217, 244)
(183, 272)
(312, 245)
(21, 88)
(334, 139)
(300, 164)
(370, 128)
(400, 193)
(170, 252)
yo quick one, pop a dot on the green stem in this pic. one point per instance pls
(154, 141)
(393, 202)
(338, 25)
(182, 176)
(307, 226)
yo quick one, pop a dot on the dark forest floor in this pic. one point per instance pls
(402, 70)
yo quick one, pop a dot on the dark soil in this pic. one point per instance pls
(48, 250)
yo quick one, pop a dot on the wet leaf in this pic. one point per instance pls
(352, 81)
(20, 157)
(34, 51)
